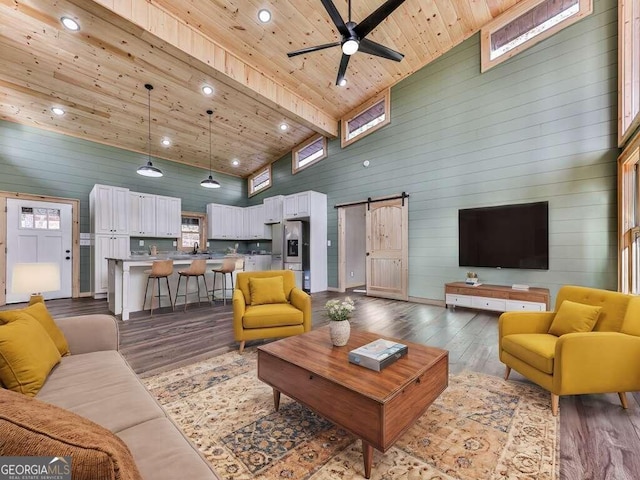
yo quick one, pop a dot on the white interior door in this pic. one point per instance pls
(39, 232)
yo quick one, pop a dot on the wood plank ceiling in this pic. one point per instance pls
(98, 74)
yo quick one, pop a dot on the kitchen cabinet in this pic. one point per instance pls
(114, 246)
(273, 209)
(254, 263)
(254, 224)
(225, 222)
(108, 209)
(168, 217)
(142, 214)
(297, 206)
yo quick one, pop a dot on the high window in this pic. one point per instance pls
(628, 69)
(526, 24)
(366, 119)
(259, 181)
(308, 153)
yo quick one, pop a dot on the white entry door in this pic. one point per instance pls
(39, 232)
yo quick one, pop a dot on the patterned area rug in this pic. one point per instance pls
(481, 427)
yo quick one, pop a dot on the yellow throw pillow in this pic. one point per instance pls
(267, 290)
(27, 355)
(573, 317)
(41, 314)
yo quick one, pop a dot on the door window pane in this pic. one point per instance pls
(40, 218)
(26, 217)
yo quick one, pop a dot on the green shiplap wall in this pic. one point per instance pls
(539, 127)
(45, 163)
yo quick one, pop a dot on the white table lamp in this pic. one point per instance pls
(35, 278)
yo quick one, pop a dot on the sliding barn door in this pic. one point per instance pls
(388, 248)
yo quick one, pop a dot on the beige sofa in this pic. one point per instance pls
(97, 383)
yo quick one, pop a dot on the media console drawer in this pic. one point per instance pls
(497, 298)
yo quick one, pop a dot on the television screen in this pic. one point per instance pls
(506, 236)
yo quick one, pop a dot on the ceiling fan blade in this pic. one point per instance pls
(302, 51)
(374, 48)
(343, 68)
(373, 20)
(335, 17)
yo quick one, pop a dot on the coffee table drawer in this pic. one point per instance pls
(356, 413)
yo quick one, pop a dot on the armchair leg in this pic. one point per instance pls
(507, 371)
(241, 346)
(623, 399)
(555, 400)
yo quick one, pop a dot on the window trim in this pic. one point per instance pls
(250, 178)
(295, 168)
(486, 63)
(628, 70)
(202, 217)
(628, 217)
(344, 121)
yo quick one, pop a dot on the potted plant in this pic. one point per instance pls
(339, 312)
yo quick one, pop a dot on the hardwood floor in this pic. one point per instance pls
(599, 439)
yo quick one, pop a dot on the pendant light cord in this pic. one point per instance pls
(349, 10)
(149, 87)
(209, 112)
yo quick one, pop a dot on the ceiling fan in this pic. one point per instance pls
(353, 36)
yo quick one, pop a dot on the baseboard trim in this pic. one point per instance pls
(334, 289)
(428, 301)
(85, 294)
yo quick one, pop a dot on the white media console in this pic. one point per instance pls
(498, 298)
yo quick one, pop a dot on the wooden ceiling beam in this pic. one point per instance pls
(187, 43)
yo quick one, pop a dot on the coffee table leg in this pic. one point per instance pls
(276, 399)
(367, 455)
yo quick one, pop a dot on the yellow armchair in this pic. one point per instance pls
(604, 360)
(268, 307)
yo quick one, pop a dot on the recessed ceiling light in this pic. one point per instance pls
(57, 111)
(235, 163)
(70, 24)
(284, 126)
(207, 90)
(165, 141)
(343, 82)
(264, 15)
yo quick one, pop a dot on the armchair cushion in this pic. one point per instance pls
(267, 290)
(536, 349)
(573, 317)
(274, 315)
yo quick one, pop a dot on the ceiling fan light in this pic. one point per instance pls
(350, 46)
(210, 183)
(207, 90)
(149, 170)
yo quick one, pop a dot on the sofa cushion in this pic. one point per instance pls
(41, 314)
(267, 290)
(276, 315)
(27, 354)
(573, 317)
(29, 427)
(101, 387)
(535, 349)
(171, 458)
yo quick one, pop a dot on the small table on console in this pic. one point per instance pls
(377, 407)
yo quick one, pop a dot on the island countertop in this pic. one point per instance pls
(128, 280)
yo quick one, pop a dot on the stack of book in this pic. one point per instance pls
(377, 354)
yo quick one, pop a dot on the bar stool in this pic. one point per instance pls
(159, 269)
(228, 266)
(196, 269)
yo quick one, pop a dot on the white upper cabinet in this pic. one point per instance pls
(225, 222)
(142, 214)
(297, 205)
(109, 210)
(254, 223)
(168, 216)
(273, 209)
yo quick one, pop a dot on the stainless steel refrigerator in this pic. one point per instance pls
(290, 248)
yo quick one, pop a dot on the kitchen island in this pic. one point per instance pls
(127, 281)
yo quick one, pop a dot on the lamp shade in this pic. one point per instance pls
(35, 277)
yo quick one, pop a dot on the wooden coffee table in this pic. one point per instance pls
(377, 407)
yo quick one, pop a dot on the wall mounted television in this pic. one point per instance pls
(505, 236)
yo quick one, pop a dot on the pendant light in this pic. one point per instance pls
(210, 182)
(149, 170)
